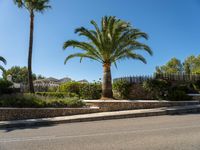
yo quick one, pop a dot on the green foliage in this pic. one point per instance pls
(164, 90)
(171, 67)
(19, 74)
(90, 91)
(123, 88)
(33, 101)
(40, 77)
(196, 85)
(192, 65)
(3, 60)
(33, 5)
(20, 100)
(52, 89)
(52, 94)
(74, 103)
(158, 87)
(81, 90)
(178, 95)
(114, 40)
(4, 86)
(71, 88)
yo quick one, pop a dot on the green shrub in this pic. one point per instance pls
(183, 87)
(74, 103)
(158, 87)
(164, 90)
(52, 94)
(4, 86)
(71, 87)
(20, 100)
(90, 91)
(81, 90)
(33, 101)
(178, 95)
(196, 85)
(123, 88)
(137, 92)
(52, 89)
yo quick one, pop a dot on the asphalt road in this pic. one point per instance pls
(151, 133)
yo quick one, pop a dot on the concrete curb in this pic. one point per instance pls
(101, 116)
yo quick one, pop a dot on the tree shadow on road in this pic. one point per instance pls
(24, 127)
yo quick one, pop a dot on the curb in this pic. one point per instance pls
(101, 116)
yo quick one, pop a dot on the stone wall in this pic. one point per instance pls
(115, 105)
(7, 114)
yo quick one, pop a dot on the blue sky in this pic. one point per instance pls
(173, 27)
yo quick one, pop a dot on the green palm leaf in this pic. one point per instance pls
(2, 59)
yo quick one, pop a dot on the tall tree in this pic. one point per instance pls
(192, 65)
(3, 60)
(19, 74)
(172, 66)
(115, 40)
(32, 6)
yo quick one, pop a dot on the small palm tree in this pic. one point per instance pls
(115, 40)
(4, 62)
(32, 6)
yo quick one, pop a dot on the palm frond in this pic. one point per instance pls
(83, 46)
(2, 68)
(130, 55)
(115, 39)
(80, 55)
(33, 5)
(139, 46)
(19, 3)
(2, 59)
(90, 35)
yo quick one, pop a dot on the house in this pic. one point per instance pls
(50, 82)
(83, 81)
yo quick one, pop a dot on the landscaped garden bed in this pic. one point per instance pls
(34, 101)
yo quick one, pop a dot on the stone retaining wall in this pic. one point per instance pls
(7, 114)
(116, 105)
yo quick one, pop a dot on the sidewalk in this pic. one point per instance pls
(102, 116)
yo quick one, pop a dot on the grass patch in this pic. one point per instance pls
(34, 101)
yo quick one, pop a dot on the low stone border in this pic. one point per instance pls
(101, 116)
(7, 114)
(117, 105)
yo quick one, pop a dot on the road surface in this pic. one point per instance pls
(178, 132)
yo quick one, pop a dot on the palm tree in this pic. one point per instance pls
(115, 40)
(4, 62)
(32, 6)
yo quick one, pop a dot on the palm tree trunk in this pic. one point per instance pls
(107, 83)
(30, 77)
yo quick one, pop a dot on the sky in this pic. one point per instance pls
(173, 27)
